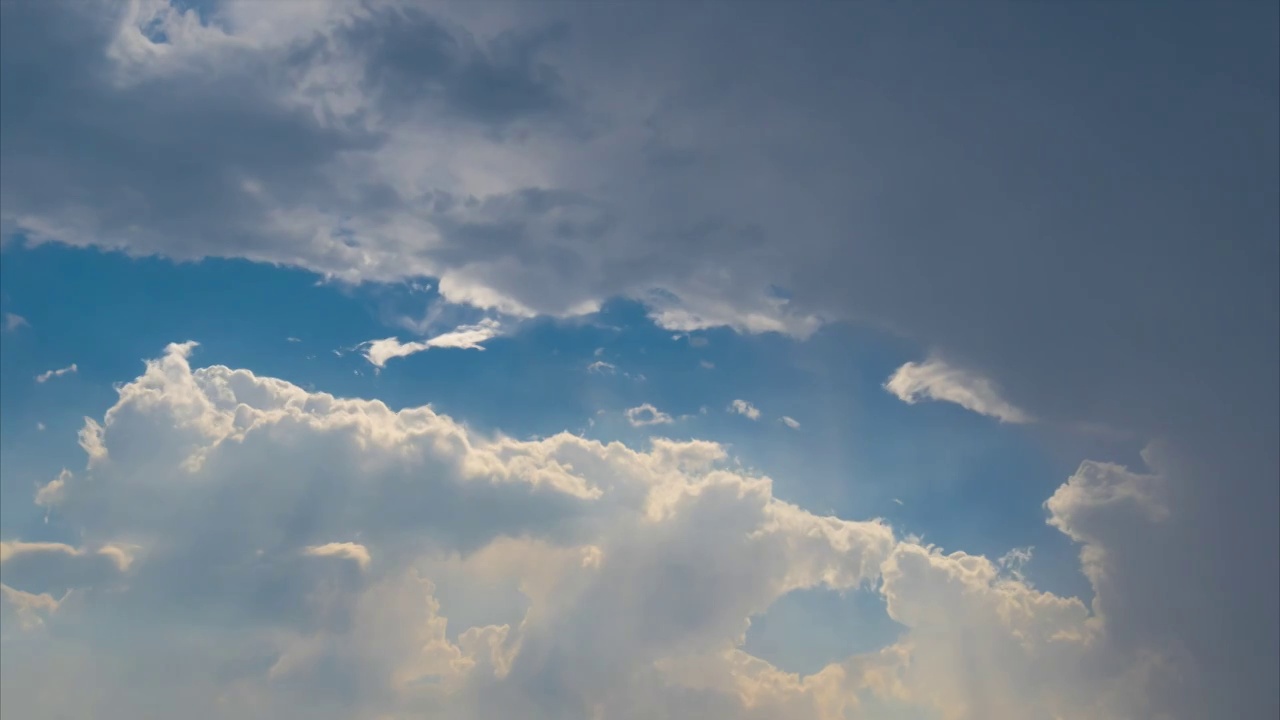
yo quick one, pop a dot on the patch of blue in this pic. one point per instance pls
(805, 630)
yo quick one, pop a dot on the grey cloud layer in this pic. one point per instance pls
(1037, 225)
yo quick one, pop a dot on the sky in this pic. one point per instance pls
(639, 360)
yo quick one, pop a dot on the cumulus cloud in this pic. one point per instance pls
(621, 558)
(745, 409)
(619, 582)
(48, 375)
(647, 414)
(52, 492)
(465, 337)
(935, 380)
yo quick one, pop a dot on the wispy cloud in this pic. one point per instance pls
(935, 380)
(54, 491)
(602, 367)
(744, 408)
(790, 422)
(647, 414)
(13, 321)
(464, 337)
(48, 375)
(347, 550)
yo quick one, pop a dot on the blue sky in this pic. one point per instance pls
(505, 312)
(957, 474)
(958, 479)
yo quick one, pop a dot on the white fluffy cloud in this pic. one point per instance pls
(52, 492)
(466, 337)
(745, 409)
(647, 414)
(610, 582)
(935, 380)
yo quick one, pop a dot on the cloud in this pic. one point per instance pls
(10, 550)
(935, 380)
(118, 555)
(13, 321)
(31, 609)
(602, 367)
(38, 573)
(540, 159)
(647, 414)
(623, 558)
(50, 374)
(617, 581)
(381, 145)
(744, 408)
(790, 422)
(464, 337)
(347, 550)
(369, 145)
(52, 492)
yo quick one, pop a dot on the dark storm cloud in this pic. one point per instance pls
(153, 166)
(411, 58)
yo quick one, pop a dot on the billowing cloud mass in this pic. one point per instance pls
(745, 409)
(466, 337)
(493, 577)
(1080, 216)
(48, 375)
(935, 380)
